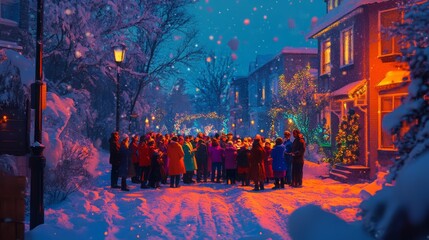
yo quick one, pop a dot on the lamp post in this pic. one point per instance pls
(37, 160)
(119, 53)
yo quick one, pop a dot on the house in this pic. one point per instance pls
(262, 85)
(239, 108)
(14, 108)
(13, 23)
(359, 69)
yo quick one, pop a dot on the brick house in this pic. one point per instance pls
(262, 85)
(359, 70)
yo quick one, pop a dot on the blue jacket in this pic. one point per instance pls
(288, 149)
(277, 154)
(125, 160)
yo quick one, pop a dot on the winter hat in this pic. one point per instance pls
(124, 136)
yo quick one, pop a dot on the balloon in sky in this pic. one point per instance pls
(233, 44)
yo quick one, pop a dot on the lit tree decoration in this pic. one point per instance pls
(274, 113)
(348, 139)
(181, 118)
(296, 100)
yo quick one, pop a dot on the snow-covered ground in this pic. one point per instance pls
(198, 211)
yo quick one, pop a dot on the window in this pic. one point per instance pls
(388, 103)
(9, 9)
(326, 57)
(347, 47)
(388, 43)
(332, 4)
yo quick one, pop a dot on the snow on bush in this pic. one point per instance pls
(71, 158)
(401, 211)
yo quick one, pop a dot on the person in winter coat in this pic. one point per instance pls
(257, 170)
(125, 162)
(176, 165)
(202, 155)
(279, 164)
(268, 162)
(288, 157)
(216, 158)
(144, 161)
(162, 146)
(115, 159)
(230, 162)
(134, 146)
(189, 159)
(298, 150)
(243, 155)
(156, 172)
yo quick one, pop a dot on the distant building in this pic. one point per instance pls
(359, 69)
(13, 23)
(253, 95)
(239, 106)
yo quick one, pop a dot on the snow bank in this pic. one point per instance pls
(310, 222)
(312, 169)
(56, 117)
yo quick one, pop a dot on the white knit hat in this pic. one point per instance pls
(124, 136)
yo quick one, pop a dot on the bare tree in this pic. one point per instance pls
(213, 84)
(170, 46)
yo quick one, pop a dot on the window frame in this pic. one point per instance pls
(351, 47)
(323, 64)
(380, 120)
(332, 4)
(395, 47)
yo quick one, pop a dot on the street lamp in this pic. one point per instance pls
(37, 160)
(119, 53)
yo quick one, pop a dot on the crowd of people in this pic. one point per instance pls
(151, 158)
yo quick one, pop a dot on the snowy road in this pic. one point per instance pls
(198, 211)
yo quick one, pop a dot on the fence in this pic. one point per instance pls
(12, 207)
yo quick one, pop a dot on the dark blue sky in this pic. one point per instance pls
(260, 27)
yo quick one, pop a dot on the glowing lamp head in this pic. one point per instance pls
(119, 53)
(233, 125)
(252, 122)
(4, 118)
(146, 121)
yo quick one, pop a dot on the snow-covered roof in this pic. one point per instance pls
(349, 88)
(286, 50)
(346, 7)
(303, 50)
(393, 78)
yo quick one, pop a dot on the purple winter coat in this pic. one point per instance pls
(216, 154)
(230, 158)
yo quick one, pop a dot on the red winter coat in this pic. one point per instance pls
(175, 155)
(144, 157)
(134, 151)
(256, 162)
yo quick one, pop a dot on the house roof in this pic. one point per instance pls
(349, 89)
(302, 50)
(286, 50)
(393, 78)
(346, 7)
